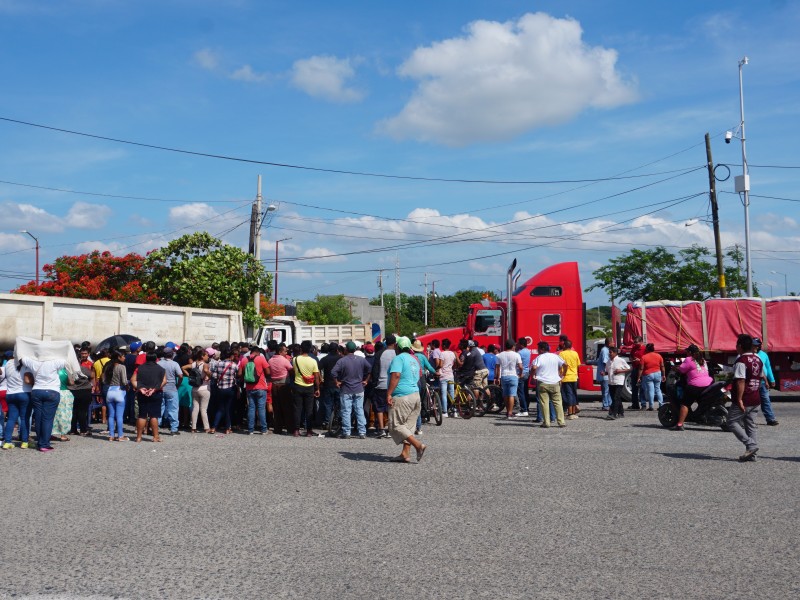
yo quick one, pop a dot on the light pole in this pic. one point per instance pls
(785, 282)
(742, 182)
(770, 287)
(35, 239)
(276, 266)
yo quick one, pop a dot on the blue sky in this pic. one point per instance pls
(493, 91)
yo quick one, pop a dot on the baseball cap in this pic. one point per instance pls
(135, 346)
(471, 343)
(351, 346)
(172, 345)
(169, 350)
(403, 342)
(756, 341)
(369, 348)
(390, 339)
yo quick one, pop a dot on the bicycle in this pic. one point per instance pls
(493, 398)
(463, 400)
(431, 404)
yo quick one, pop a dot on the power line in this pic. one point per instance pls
(309, 168)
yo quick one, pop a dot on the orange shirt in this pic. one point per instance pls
(652, 362)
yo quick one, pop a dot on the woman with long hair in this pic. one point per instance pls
(201, 394)
(115, 377)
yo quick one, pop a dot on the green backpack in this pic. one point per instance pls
(250, 372)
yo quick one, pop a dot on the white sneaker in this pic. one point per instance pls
(445, 415)
(523, 414)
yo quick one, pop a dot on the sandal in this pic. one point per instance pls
(228, 431)
(124, 438)
(212, 430)
(420, 452)
(400, 459)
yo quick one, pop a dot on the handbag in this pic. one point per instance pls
(306, 378)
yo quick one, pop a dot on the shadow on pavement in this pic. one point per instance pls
(365, 456)
(694, 456)
(784, 458)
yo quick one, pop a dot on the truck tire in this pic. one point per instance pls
(626, 393)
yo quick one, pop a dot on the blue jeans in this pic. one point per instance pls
(257, 400)
(169, 409)
(766, 404)
(115, 401)
(45, 403)
(327, 401)
(353, 402)
(19, 408)
(522, 392)
(225, 397)
(605, 395)
(651, 386)
(445, 387)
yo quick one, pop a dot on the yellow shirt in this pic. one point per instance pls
(305, 365)
(573, 361)
(98, 367)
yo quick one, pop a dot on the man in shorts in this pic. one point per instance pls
(380, 374)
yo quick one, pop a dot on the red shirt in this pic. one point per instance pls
(652, 362)
(261, 367)
(750, 368)
(637, 351)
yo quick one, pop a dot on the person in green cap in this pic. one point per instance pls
(404, 401)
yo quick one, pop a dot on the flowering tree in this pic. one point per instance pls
(270, 309)
(94, 276)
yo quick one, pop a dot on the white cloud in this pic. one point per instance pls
(323, 255)
(502, 79)
(326, 77)
(83, 215)
(199, 216)
(14, 241)
(90, 246)
(206, 59)
(246, 73)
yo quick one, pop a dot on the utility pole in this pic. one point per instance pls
(35, 239)
(712, 186)
(380, 284)
(275, 283)
(255, 238)
(397, 292)
(433, 306)
(425, 302)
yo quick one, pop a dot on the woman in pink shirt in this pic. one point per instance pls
(280, 367)
(697, 379)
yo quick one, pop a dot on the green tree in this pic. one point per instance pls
(325, 310)
(200, 270)
(657, 274)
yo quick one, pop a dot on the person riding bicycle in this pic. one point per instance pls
(472, 370)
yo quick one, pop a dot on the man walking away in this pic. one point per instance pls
(404, 401)
(748, 371)
(548, 370)
(351, 374)
(380, 374)
(169, 400)
(508, 369)
(767, 382)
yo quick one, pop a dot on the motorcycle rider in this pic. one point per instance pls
(695, 369)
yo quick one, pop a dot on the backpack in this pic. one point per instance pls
(196, 376)
(250, 372)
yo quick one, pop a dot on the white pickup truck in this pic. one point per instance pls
(289, 330)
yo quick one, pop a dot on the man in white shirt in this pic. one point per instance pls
(548, 370)
(508, 370)
(616, 368)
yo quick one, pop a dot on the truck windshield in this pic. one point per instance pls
(488, 322)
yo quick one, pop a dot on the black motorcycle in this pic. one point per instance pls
(710, 408)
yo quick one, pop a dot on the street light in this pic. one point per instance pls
(35, 239)
(785, 281)
(769, 283)
(742, 182)
(276, 264)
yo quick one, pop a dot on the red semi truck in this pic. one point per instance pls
(548, 305)
(714, 324)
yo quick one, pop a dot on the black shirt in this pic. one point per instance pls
(150, 375)
(326, 366)
(473, 361)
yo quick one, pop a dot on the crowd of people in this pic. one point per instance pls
(374, 388)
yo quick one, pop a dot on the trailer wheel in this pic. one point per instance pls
(626, 393)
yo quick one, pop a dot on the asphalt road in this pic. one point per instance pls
(496, 509)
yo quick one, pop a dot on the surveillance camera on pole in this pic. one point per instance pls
(728, 136)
